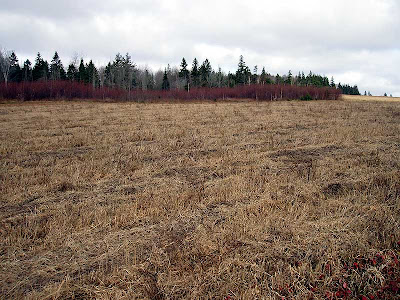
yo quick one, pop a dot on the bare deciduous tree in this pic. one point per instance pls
(5, 63)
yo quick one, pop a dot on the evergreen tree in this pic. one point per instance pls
(303, 79)
(254, 77)
(41, 68)
(289, 78)
(184, 73)
(243, 72)
(15, 74)
(205, 71)
(220, 77)
(128, 72)
(332, 84)
(263, 76)
(122, 71)
(298, 79)
(72, 73)
(82, 75)
(309, 79)
(150, 80)
(278, 79)
(56, 68)
(195, 74)
(165, 83)
(27, 71)
(349, 90)
(92, 74)
(231, 80)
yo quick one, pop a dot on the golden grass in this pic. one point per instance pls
(370, 98)
(201, 200)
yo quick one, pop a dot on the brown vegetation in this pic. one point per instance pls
(369, 98)
(72, 90)
(258, 200)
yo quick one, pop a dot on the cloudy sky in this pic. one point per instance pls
(357, 41)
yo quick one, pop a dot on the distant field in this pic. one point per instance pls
(370, 98)
(260, 200)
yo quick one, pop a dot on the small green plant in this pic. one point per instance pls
(306, 98)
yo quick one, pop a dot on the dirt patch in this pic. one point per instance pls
(306, 155)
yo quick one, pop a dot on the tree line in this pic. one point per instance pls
(124, 74)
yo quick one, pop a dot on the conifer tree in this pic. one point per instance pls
(205, 71)
(254, 77)
(195, 75)
(27, 71)
(184, 74)
(332, 84)
(243, 72)
(72, 73)
(92, 75)
(128, 72)
(82, 75)
(165, 83)
(263, 76)
(41, 68)
(57, 71)
(109, 75)
(289, 78)
(278, 79)
(15, 70)
(220, 77)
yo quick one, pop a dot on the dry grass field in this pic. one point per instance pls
(282, 200)
(370, 98)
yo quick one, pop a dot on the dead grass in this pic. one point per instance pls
(370, 98)
(213, 200)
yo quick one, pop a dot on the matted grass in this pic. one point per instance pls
(208, 200)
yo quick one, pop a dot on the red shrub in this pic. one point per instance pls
(40, 90)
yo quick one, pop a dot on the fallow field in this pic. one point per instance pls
(221, 200)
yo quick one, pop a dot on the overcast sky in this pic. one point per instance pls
(357, 41)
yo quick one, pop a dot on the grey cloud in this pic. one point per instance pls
(328, 37)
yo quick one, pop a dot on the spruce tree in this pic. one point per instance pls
(332, 84)
(263, 76)
(254, 77)
(72, 73)
(278, 79)
(243, 72)
(109, 75)
(205, 71)
(184, 73)
(15, 74)
(27, 71)
(128, 72)
(195, 74)
(220, 77)
(165, 83)
(82, 75)
(92, 75)
(289, 78)
(41, 68)
(56, 68)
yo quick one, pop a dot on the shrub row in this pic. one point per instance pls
(43, 90)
